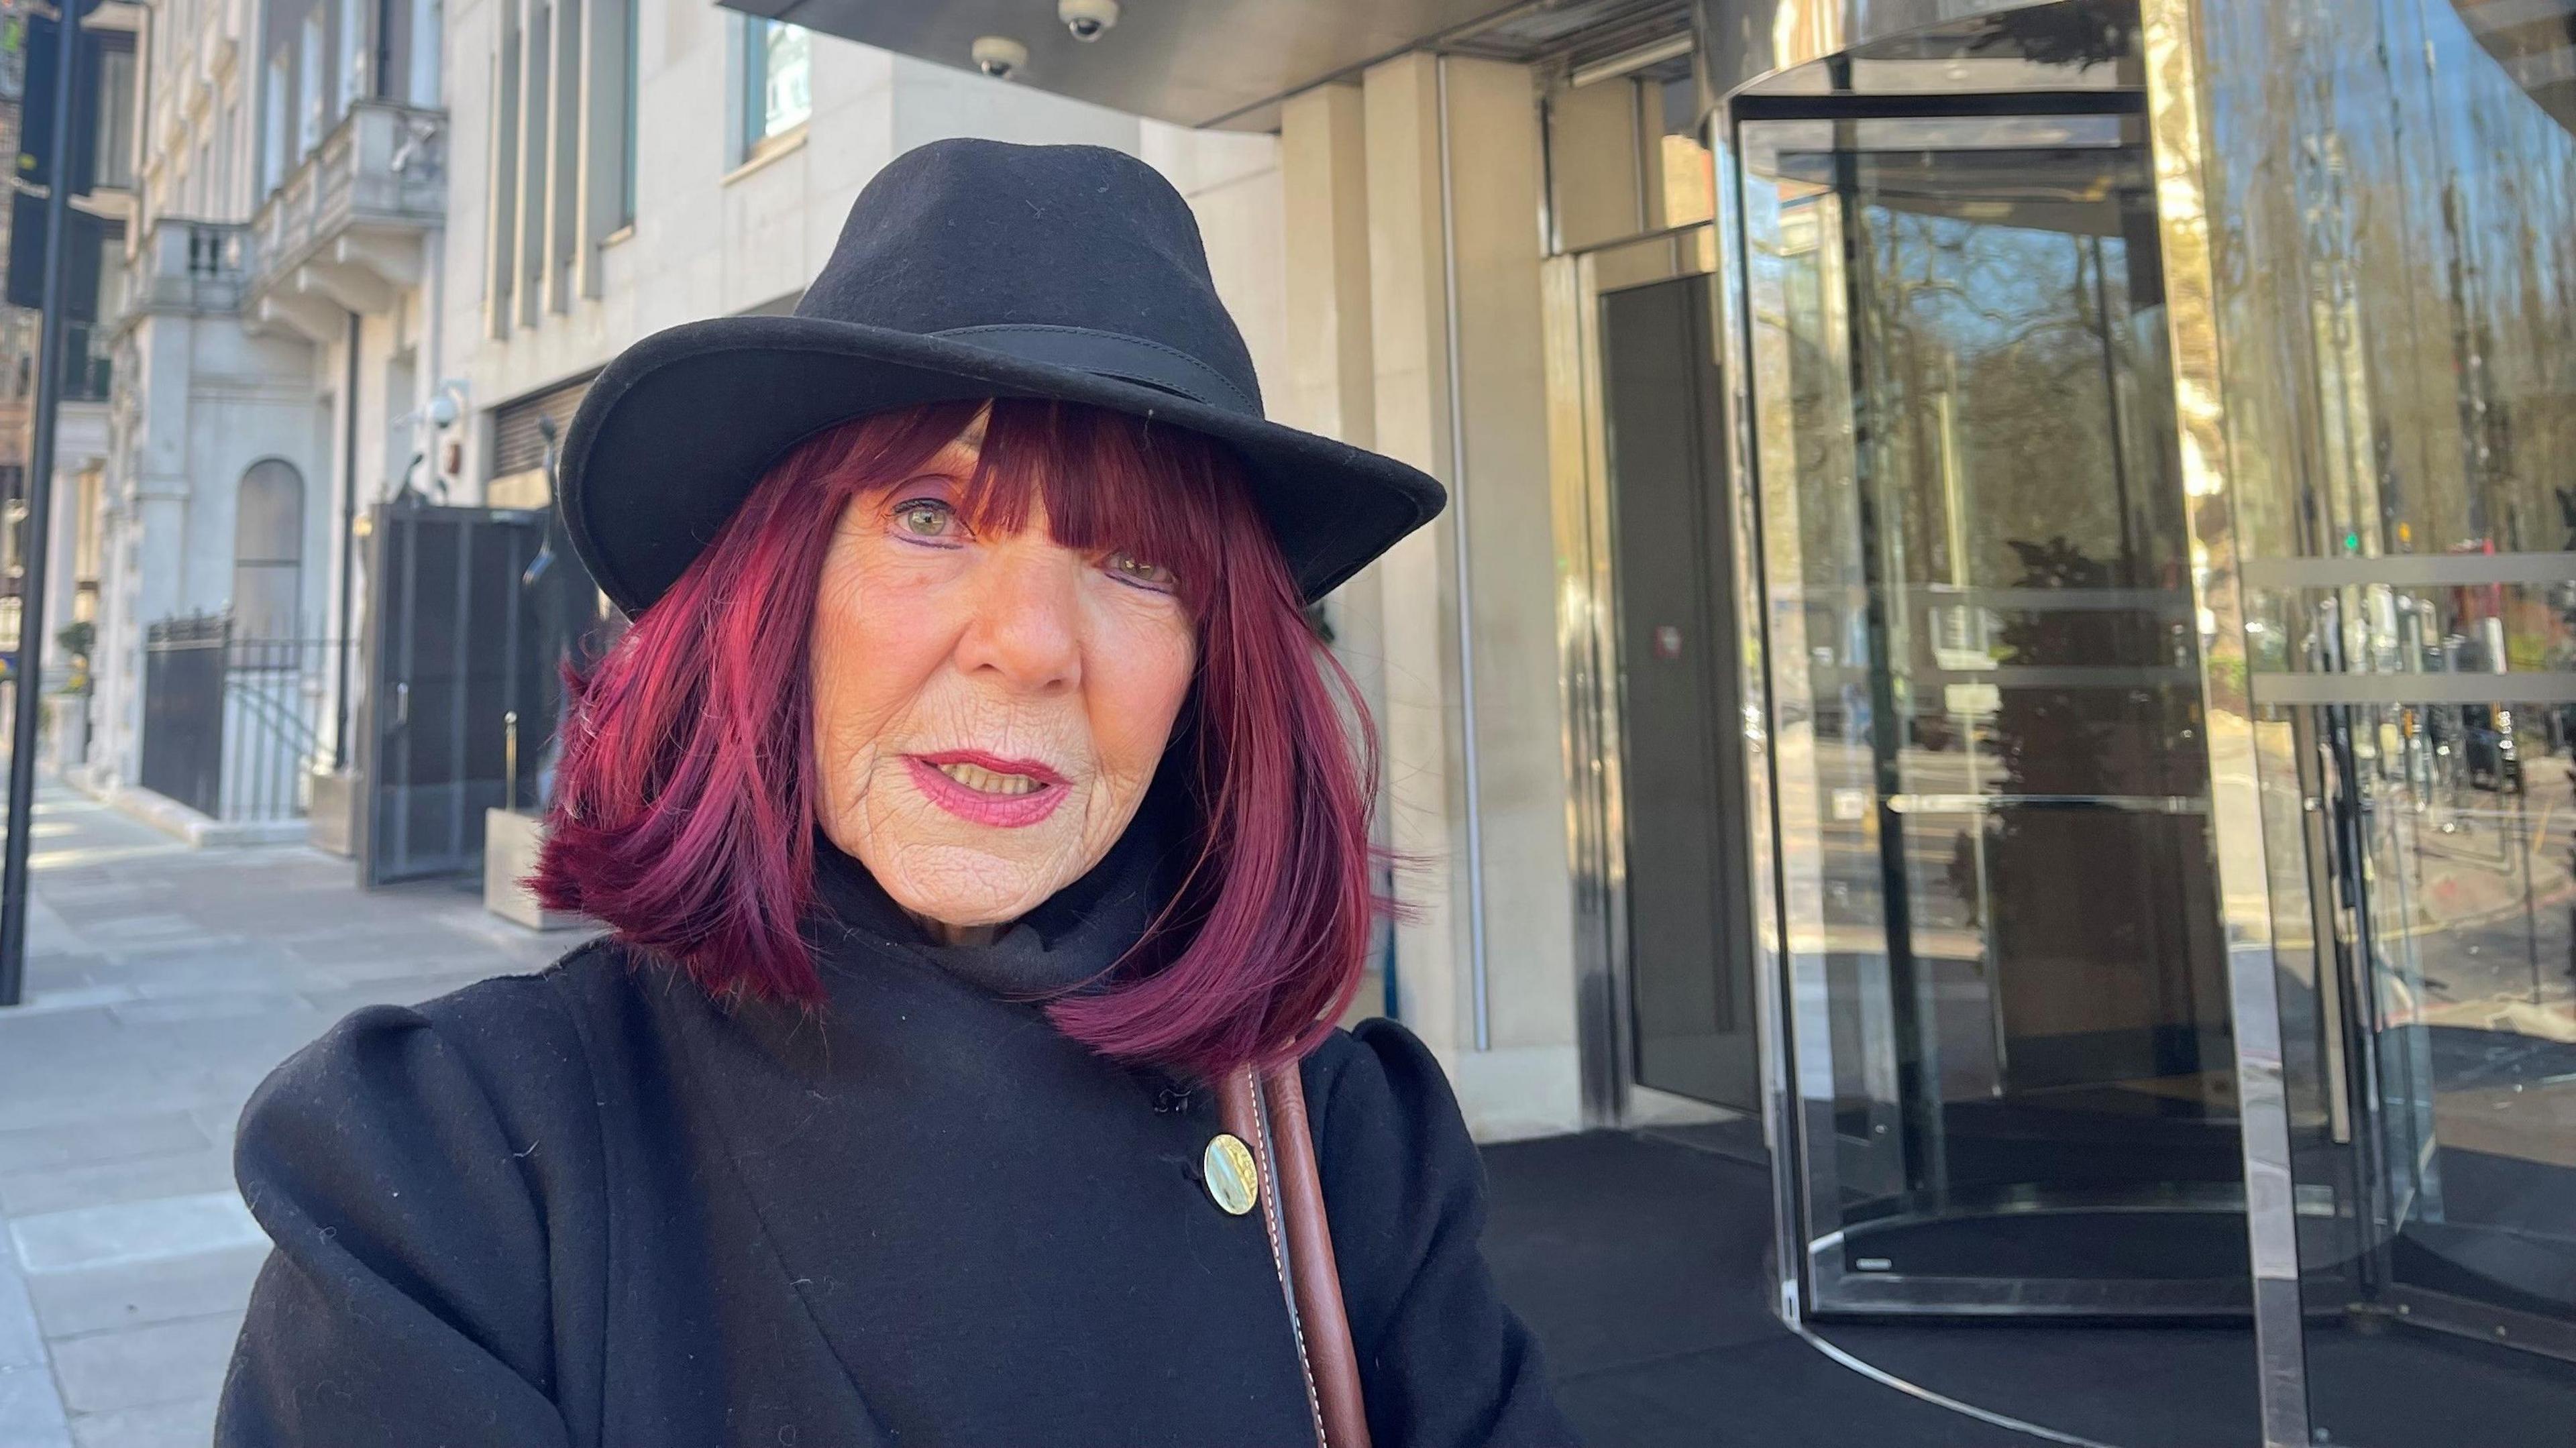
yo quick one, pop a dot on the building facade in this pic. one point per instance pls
(269, 383)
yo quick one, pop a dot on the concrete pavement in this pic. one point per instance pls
(162, 984)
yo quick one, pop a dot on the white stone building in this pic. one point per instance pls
(270, 372)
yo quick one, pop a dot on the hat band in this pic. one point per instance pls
(1112, 354)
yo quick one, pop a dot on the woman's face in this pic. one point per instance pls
(988, 710)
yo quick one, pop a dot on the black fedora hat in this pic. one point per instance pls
(967, 269)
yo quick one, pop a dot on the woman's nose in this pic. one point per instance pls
(1026, 632)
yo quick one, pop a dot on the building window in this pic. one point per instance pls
(309, 93)
(272, 159)
(777, 89)
(420, 52)
(502, 243)
(268, 551)
(354, 53)
(536, 158)
(226, 149)
(626, 120)
(88, 352)
(116, 119)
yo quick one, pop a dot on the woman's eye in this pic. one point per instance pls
(1131, 569)
(925, 518)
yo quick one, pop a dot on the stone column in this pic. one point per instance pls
(1496, 811)
(1328, 383)
(61, 570)
(145, 566)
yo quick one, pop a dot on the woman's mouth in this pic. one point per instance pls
(985, 789)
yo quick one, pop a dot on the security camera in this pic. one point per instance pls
(999, 56)
(1087, 19)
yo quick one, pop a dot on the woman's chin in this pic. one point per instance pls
(970, 892)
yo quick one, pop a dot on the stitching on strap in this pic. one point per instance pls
(1273, 1221)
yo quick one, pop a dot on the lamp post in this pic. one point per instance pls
(40, 493)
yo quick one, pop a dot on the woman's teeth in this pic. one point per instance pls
(986, 781)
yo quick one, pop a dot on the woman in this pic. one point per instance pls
(965, 800)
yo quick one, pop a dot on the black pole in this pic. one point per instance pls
(40, 493)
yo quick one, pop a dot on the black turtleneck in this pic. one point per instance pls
(591, 1207)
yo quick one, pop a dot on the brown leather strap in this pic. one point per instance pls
(1332, 1364)
(1269, 1115)
(1246, 1116)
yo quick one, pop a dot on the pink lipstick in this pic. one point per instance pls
(987, 789)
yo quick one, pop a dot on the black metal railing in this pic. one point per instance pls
(232, 724)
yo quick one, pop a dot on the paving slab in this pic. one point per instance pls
(121, 1233)
(32, 1414)
(161, 1362)
(54, 1189)
(31, 1409)
(150, 1133)
(107, 1299)
(189, 1423)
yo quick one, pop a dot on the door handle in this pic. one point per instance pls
(402, 706)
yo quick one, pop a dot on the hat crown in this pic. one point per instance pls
(974, 234)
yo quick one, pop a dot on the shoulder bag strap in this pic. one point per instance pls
(1268, 1111)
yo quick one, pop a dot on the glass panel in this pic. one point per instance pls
(2009, 1001)
(2389, 184)
(1680, 715)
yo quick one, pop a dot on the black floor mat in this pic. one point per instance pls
(1640, 1263)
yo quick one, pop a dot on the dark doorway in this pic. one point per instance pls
(1689, 922)
(455, 657)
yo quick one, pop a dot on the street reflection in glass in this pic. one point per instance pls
(2395, 399)
(2011, 998)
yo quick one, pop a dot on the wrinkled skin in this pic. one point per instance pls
(928, 639)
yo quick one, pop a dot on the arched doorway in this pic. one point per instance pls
(268, 552)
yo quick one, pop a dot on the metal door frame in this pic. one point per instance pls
(1571, 286)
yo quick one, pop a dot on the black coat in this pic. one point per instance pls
(591, 1207)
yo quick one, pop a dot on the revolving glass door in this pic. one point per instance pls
(2007, 991)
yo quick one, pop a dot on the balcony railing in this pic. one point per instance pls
(343, 230)
(187, 266)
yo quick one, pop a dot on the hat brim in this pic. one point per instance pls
(675, 432)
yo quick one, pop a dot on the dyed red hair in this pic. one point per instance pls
(684, 811)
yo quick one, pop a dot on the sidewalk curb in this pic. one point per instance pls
(196, 830)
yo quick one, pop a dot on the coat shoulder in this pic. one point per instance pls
(431, 1178)
(506, 1051)
(1378, 1064)
(1377, 1095)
